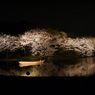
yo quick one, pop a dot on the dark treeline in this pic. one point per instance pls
(14, 54)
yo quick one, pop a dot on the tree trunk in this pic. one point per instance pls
(6, 53)
(24, 52)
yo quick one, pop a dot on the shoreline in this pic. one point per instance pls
(47, 58)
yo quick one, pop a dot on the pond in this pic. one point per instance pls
(55, 67)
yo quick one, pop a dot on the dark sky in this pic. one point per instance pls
(68, 16)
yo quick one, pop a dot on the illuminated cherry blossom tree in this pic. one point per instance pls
(41, 42)
(8, 42)
(83, 45)
(44, 43)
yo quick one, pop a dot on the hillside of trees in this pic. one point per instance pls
(46, 42)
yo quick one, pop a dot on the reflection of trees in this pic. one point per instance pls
(12, 72)
(85, 67)
(49, 69)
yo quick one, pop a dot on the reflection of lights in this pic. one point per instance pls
(30, 73)
(29, 63)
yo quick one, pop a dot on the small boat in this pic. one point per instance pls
(29, 63)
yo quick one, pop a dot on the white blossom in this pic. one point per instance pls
(83, 45)
(40, 41)
(8, 42)
(45, 44)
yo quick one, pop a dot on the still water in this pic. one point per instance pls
(56, 67)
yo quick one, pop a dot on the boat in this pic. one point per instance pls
(29, 63)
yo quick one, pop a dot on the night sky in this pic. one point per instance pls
(68, 16)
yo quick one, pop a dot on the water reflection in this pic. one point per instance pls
(80, 67)
(84, 67)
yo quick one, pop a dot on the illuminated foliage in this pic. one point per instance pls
(41, 42)
(8, 42)
(83, 45)
(56, 32)
(45, 42)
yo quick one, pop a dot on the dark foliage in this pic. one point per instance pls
(66, 53)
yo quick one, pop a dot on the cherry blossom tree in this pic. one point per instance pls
(44, 43)
(8, 42)
(83, 45)
(41, 42)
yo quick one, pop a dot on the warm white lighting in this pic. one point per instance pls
(40, 42)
